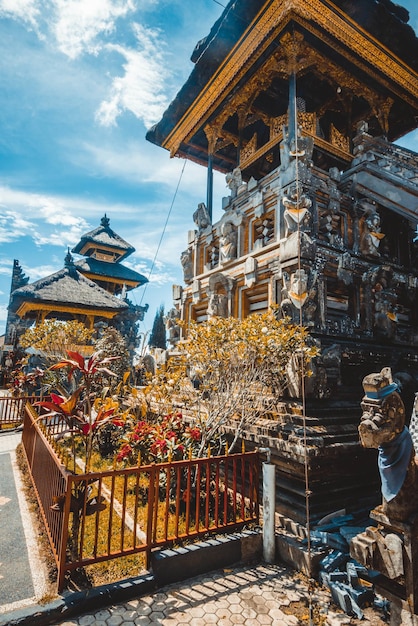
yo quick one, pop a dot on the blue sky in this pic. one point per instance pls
(82, 81)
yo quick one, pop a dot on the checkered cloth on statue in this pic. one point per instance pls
(413, 426)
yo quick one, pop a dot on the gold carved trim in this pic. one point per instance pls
(338, 139)
(258, 36)
(27, 307)
(249, 149)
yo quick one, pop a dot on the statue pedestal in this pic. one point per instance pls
(391, 548)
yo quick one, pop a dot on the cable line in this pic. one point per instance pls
(163, 231)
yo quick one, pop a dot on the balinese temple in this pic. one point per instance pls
(86, 290)
(299, 103)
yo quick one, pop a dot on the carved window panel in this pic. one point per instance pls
(256, 300)
(200, 313)
(276, 126)
(263, 230)
(211, 257)
(249, 149)
(307, 122)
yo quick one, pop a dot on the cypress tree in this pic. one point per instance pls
(158, 337)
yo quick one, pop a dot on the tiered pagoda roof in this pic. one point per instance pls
(104, 250)
(65, 292)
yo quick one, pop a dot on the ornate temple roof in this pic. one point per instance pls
(104, 237)
(114, 270)
(66, 290)
(355, 61)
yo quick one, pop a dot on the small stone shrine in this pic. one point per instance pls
(298, 103)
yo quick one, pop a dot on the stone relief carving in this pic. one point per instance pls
(228, 242)
(234, 181)
(382, 289)
(299, 292)
(201, 217)
(219, 292)
(371, 235)
(327, 371)
(296, 214)
(172, 326)
(218, 305)
(187, 264)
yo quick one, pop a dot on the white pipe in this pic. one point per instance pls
(269, 506)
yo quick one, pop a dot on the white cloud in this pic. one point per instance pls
(41, 271)
(13, 226)
(53, 221)
(78, 23)
(24, 10)
(142, 89)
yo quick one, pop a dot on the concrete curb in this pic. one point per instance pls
(169, 566)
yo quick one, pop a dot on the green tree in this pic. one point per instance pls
(229, 373)
(241, 369)
(113, 345)
(53, 338)
(158, 337)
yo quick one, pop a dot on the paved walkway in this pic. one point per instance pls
(22, 580)
(247, 595)
(261, 595)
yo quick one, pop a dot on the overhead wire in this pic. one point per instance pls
(164, 230)
(302, 360)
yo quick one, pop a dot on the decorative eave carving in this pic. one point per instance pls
(333, 25)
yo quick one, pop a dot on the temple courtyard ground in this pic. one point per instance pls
(251, 594)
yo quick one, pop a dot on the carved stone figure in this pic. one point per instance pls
(218, 305)
(187, 264)
(299, 292)
(172, 326)
(201, 216)
(327, 372)
(296, 214)
(234, 181)
(228, 242)
(329, 217)
(385, 317)
(371, 236)
(383, 427)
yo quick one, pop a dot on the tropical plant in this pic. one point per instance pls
(112, 345)
(167, 438)
(83, 414)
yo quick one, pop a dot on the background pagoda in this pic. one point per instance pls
(91, 290)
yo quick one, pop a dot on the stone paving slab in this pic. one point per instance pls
(259, 595)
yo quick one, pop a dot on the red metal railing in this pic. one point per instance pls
(12, 410)
(49, 478)
(121, 512)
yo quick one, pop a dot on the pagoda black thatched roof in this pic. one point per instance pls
(103, 235)
(69, 288)
(110, 270)
(386, 21)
